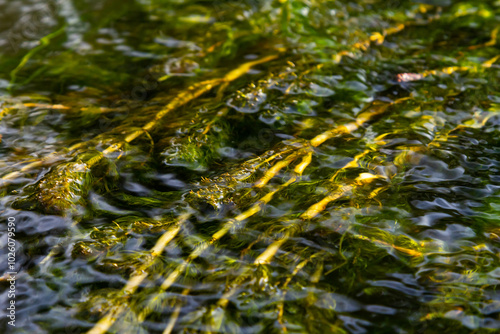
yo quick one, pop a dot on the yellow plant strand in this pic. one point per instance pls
(317, 208)
(271, 173)
(407, 251)
(352, 126)
(263, 258)
(46, 106)
(175, 315)
(49, 159)
(281, 304)
(491, 42)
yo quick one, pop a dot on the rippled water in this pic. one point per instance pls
(255, 166)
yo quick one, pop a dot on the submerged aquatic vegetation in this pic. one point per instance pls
(65, 186)
(275, 166)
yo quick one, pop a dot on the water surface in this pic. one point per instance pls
(253, 166)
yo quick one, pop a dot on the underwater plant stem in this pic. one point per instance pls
(281, 304)
(175, 314)
(273, 171)
(263, 258)
(378, 109)
(407, 251)
(49, 159)
(491, 42)
(317, 208)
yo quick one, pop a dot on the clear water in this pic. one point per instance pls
(255, 166)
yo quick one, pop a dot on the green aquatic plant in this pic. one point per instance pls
(65, 186)
(199, 146)
(359, 199)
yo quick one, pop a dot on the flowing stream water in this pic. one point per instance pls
(251, 166)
